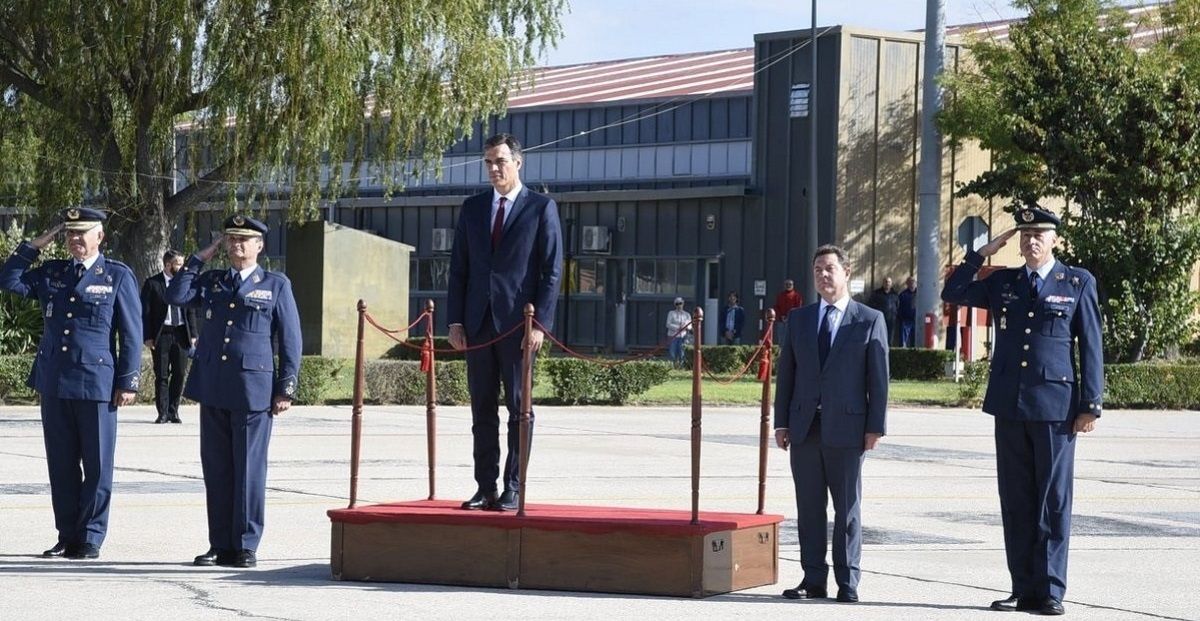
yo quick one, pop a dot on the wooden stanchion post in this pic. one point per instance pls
(526, 406)
(356, 416)
(697, 370)
(431, 399)
(764, 427)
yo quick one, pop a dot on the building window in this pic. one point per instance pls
(588, 276)
(665, 277)
(429, 274)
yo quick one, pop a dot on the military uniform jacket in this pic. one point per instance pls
(91, 343)
(1033, 371)
(234, 366)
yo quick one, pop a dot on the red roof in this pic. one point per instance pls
(655, 77)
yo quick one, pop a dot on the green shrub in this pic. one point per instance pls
(322, 379)
(974, 384)
(579, 381)
(402, 382)
(726, 359)
(14, 370)
(1149, 385)
(917, 363)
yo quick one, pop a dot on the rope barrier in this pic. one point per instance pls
(606, 362)
(756, 357)
(423, 347)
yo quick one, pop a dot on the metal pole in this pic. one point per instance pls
(526, 406)
(764, 423)
(431, 400)
(810, 235)
(356, 412)
(697, 369)
(928, 261)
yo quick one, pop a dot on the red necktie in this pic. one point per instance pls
(498, 224)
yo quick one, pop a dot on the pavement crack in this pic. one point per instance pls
(204, 598)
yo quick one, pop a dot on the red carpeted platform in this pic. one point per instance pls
(579, 548)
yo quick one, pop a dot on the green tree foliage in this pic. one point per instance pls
(1070, 109)
(113, 99)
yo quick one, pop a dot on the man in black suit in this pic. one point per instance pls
(170, 333)
(507, 253)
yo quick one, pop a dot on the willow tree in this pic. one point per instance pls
(1068, 108)
(106, 100)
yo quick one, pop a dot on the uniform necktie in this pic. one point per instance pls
(1035, 284)
(825, 334)
(78, 271)
(237, 281)
(498, 224)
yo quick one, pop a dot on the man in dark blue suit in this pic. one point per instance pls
(87, 366)
(236, 382)
(1046, 316)
(507, 253)
(830, 408)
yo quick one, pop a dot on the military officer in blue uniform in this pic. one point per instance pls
(1045, 316)
(236, 382)
(87, 366)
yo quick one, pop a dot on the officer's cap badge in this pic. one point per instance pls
(238, 220)
(1027, 215)
(72, 214)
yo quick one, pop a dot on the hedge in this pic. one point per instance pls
(323, 379)
(727, 359)
(402, 382)
(578, 381)
(1144, 385)
(918, 364)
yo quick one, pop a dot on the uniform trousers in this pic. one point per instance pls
(80, 432)
(1035, 464)
(233, 457)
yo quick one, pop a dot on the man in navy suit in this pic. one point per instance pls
(507, 253)
(830, 408)
(87, 365)
(236, 382)
(1046, 316)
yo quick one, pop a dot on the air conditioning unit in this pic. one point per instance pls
(596, 239)
(443, 240)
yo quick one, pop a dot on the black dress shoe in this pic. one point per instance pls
(160, 420)
(244, 558)
(58, 550)
(82, 551)
(1051, 606)
(1008, 604)
(481, 500)
(175, 419)
(847, 596)
(208, 559)
(803, 591)
(508, 501)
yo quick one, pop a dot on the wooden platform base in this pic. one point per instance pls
(602, 549)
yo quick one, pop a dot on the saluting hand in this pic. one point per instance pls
(995, 245)
(45, 238)
(206, 255)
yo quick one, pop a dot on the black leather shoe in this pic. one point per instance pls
(175, 419)
(208, 559)
(244, 558)
(1008, 604)
(58, 550)
(804, 591)
(160, 420)
(1051, 606)
(83, 551)
(847, 597)
(508, 501)
(481, 500)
